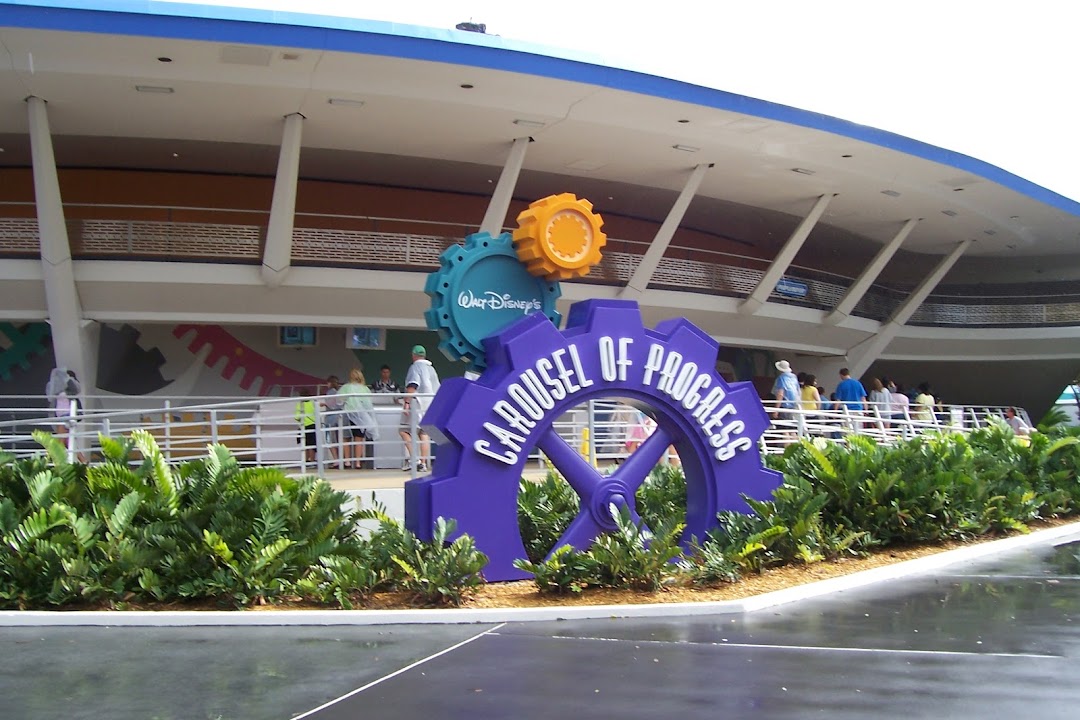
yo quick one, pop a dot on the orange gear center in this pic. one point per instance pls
(568, 235)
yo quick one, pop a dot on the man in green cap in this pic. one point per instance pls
(421, 384)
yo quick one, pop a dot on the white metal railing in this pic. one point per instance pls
(265, 431)
(884, 422)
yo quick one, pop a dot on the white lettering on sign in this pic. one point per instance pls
(494, 301)
(612, 366)
(683, 384)
(561, 374)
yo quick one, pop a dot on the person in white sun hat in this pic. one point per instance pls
(785, 390)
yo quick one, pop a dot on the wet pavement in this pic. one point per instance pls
(996, 637)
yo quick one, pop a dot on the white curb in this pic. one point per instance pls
(167, 618)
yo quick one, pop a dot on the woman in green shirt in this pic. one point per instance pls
(359, 424)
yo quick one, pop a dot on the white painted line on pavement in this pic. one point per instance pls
(405, 669)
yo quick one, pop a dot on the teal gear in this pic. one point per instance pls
(480, 288)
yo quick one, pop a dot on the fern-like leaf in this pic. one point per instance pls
(43, 488)
(163, 477)
(55, 449)
(120, 518)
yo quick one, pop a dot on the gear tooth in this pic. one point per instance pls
(447, 347)
(432, 284)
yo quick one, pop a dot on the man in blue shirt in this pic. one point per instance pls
(786, 388)
(850, 391)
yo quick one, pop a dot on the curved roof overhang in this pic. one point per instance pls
(387, 101)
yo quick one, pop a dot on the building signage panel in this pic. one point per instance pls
(792, 288)
(488, 427)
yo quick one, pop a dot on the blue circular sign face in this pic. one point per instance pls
(480, 288)
(535, 373)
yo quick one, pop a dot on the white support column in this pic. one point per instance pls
(645, 269)
(785, 257)
(863, 355)
(856, 292)
(504, 190)
(277, 255)
(69, 336)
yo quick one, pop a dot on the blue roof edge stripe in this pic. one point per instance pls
(315, 32)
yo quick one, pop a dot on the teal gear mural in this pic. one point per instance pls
(22, 343)
(480, 288)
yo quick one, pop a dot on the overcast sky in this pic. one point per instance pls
(992, 79)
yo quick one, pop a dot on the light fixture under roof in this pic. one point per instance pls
(535, 124)
(159, 89)
(890, 193)
(802, 171)
(686, 148)
(950, 213)
(345, 102)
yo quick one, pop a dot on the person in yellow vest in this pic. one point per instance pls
(305, 415)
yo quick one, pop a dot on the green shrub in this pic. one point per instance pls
(633, 557)
(440, 571)
(710, 563)
(566, 571)
(545, 509)
(140, 530)
(662, 496)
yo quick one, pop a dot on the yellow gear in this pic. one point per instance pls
(559, 237)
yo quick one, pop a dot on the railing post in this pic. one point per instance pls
(319, 445)
(877, 417)
(414, 436)
(592, 432)
(130, 236)
(800, 422)
(213, 426)
(168, 430)
(72, 441)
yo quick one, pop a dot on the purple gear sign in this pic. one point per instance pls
(481, 492)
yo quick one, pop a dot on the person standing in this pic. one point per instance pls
(852, 396)
(786, 391)
(305, 417)
(810, 395)
(924, 404)
(421, 384)
(65, 395)
(1013, 420)
(899, 402)
(332, 414)
(850, 392)
(787, 394)
(385, 383)
(879, 399)
(359, 418)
